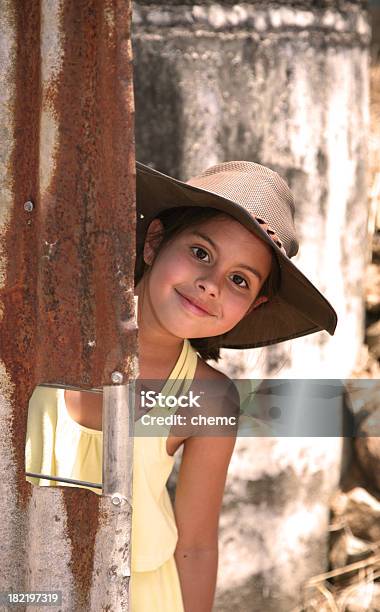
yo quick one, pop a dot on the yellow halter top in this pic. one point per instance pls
(56, 445)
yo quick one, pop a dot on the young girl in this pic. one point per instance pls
(212, 270)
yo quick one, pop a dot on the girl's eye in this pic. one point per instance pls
(241, 279)
(196, 251)
(201, 250)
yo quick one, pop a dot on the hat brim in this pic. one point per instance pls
(298, 309)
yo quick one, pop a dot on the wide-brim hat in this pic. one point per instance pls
(261, 201)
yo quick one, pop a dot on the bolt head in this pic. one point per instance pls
(116, 500)
(117, 378)
(28, 206)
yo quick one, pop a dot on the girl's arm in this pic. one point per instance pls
(198, 500)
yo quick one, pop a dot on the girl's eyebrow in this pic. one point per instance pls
(208, 239)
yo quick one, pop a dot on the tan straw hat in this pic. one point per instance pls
(261, 201)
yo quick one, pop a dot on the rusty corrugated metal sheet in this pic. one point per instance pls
(66, 273)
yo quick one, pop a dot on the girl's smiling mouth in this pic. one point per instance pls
(192, 307)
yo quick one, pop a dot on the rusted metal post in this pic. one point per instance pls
(67, 248)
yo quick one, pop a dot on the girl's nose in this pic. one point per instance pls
(208, 285)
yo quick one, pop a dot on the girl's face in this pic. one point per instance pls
(204, 281)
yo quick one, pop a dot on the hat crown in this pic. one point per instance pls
(262, 192)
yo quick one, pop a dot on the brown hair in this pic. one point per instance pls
(175, 221)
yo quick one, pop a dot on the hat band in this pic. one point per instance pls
(271, 233)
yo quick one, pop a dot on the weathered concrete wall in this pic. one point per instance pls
(274, 529)
(287, 87)
(374, 141)
(284, 84)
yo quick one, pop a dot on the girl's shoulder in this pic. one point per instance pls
(218, 399)
(206, 372)
(221, 384)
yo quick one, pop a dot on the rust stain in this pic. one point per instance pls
(82, 509)
(91, 192)
(18, 329)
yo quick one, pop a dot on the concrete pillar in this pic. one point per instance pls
(284, 84)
